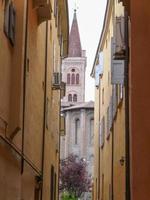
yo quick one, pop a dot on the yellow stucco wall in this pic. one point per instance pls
(112, 174)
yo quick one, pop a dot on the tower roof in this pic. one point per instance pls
(74, 39)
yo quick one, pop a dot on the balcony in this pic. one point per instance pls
(44, 9)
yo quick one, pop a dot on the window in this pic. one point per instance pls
(10, 21)
(56, 12)
(77, 127)
(77, 79)
(102, 132)
(102, 187)
(47, 113)
(68, 78)
(106, 43)
(73, 79)
(73, 70)
(108, 78)
(70, 97)
(91, 131)
(37, 189)
(91, 158)
(54, 57)
(114, 100)
(108, 123)
(117, 72)
(52, 193)
(55, 184)
(110, 113)
(97, 78)
(120, 38)
(103, 96)
(75, 97)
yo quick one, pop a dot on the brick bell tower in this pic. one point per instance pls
(73, 67)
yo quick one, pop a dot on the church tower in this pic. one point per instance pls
(73, 68)
(79, 115)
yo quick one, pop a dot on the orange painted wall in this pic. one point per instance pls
(140, 99)
(13, 184)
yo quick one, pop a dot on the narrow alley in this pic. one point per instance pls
(74, 100)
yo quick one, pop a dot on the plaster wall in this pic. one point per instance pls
(14, 184)
(139, 99)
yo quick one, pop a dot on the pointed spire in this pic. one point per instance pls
(74, 39)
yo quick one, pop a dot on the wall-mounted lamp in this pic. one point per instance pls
(122, 160)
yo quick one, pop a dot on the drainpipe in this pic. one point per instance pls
(128, 192)
(44, 110)
(99, 148)
(59, 131)
(112, 169)
(24, 83)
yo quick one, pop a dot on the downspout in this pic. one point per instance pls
(59, 134)
(24, 82)
(44, 110)
(112, 169)
(128, 192)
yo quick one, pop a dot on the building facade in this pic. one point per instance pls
(33, 35)
(138, 97)
(109, 128)
(122, 103)
(79, 118)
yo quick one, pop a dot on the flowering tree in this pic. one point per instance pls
(74, 178)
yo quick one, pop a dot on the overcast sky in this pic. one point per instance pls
(90, 14)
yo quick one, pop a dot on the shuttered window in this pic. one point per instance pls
(56, 11)
(108, 130)
(97, 78)
(47, 113)
(120, 38)
(114, 100)
(117, 72)
(62, 125)
(52, 182)
(117, 65)
(6, 19)
(102, 132)
(112, 49)
(99, 69)
(110, 113)
(101, 63)
(61, 45)
(10, 21)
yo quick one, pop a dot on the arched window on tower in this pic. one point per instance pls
(70, 97)
(77, 129)
(75, 97)
(91, 133)
(77, 78)
(73, 79)
(68, 78)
